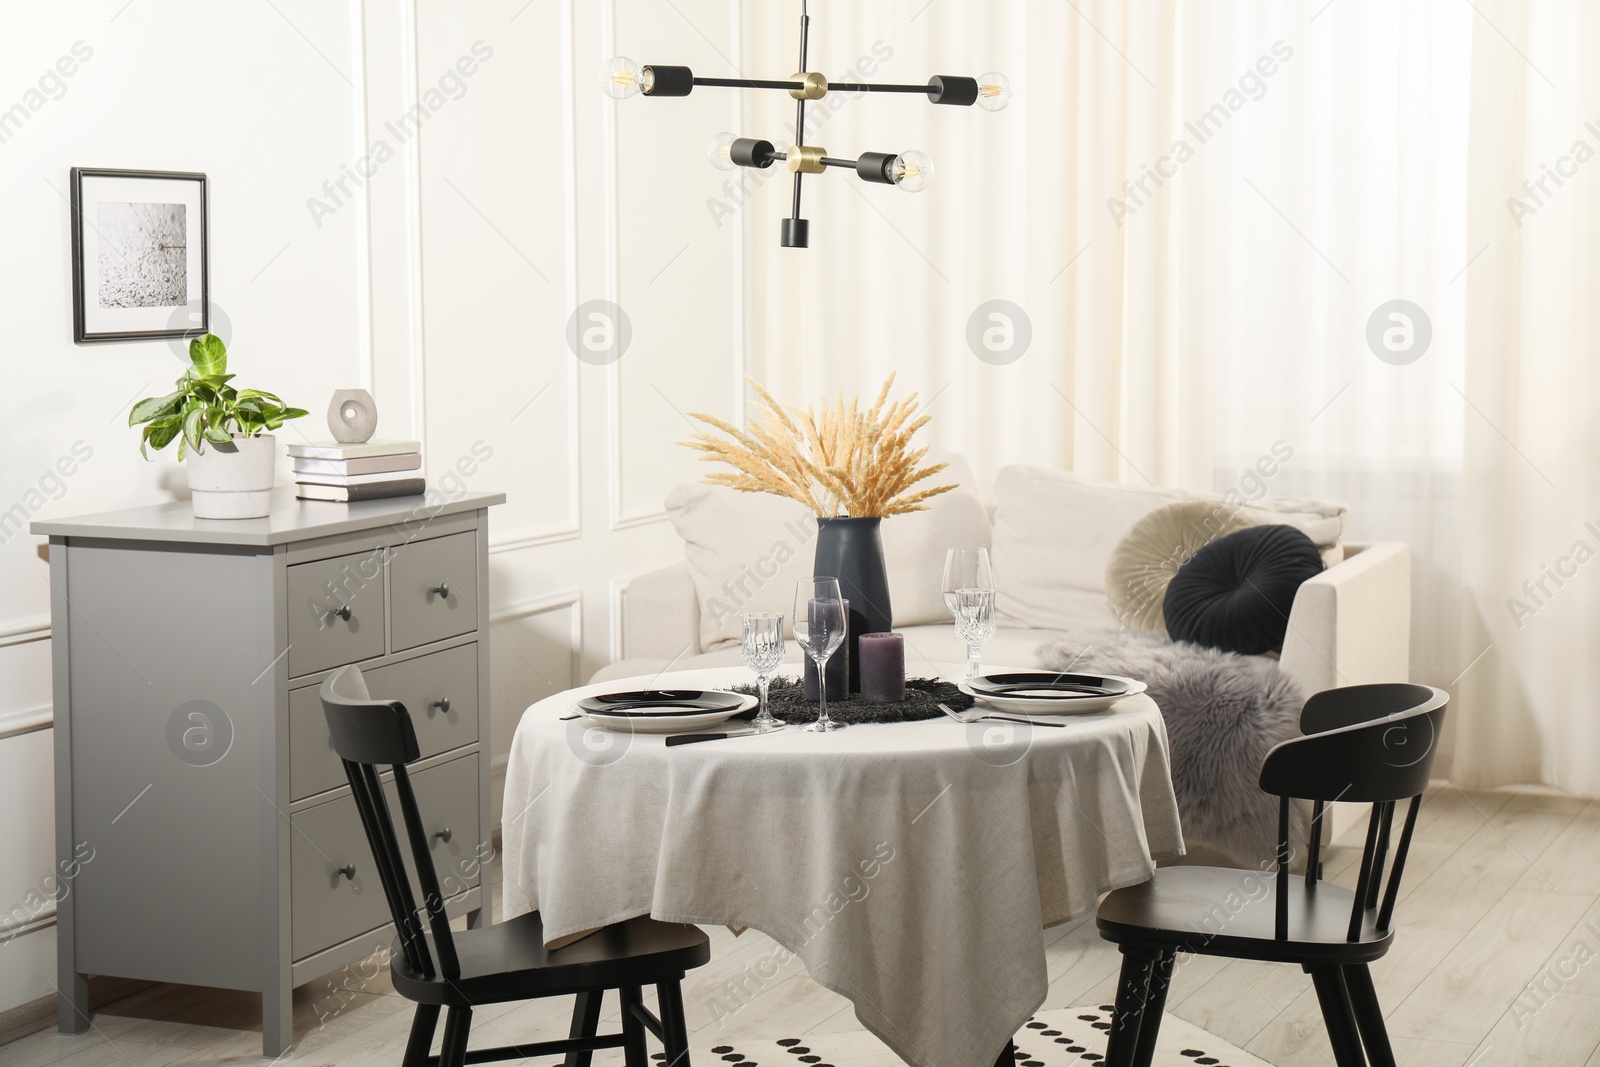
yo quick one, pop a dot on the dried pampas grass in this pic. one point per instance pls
(843, 461)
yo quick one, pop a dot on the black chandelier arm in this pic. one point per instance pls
(759, 155)
(795, 229)
(874, 87)
(748, 83)
(941, 89)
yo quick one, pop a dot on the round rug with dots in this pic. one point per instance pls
(1054, 1038)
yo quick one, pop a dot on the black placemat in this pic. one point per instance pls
(787, 701)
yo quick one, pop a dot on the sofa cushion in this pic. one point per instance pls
(1236, 593)
(1151, 552)
(1320, 520)
(746, 551)
(1054, 533)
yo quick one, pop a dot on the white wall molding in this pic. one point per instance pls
(42, 920)
(617, 596)
(516, 542)
(538, 605)
(25, 631)
(394, 230)
(611, 197)
(633, 522)
(565, 599)
(26, 721)
(569, 178)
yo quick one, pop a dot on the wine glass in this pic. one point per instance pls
(763, 651)
(974, 623)
(819, 627)
(965, 568)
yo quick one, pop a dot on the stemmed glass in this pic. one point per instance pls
(763, 652)
(974, 623)
(965, 568)
(819, 627)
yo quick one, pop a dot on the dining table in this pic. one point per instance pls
(912, 867)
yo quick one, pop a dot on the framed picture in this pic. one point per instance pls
(138, 254)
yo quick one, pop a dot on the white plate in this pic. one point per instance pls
(665, 719)
(1053, 705)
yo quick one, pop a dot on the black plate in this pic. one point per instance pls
(655, 701)
(1047, 684)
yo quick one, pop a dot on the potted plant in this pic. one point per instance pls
(851, 467)
(221, 430)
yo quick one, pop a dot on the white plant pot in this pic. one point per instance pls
(235, 483)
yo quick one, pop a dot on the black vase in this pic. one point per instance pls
(851, 550)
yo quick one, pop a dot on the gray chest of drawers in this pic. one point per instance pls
(201, 814)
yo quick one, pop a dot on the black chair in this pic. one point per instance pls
(438, 968)
(1366, 743)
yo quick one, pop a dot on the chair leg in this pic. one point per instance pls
(1369, 1015)
(585, 1023)
(453, 1050)
(423, 1024)
(1133, 989)
(1155, 1003)
(1337, 1014)
(634, 1052)
(669, 995)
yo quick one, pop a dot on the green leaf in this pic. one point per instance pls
(295, 413)
(159, 434)
(154, 408)
(216, 424)
(191, 429)
(208, 354)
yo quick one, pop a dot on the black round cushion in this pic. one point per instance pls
(1236, 592)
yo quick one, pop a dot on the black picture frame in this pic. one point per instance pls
(81, 333)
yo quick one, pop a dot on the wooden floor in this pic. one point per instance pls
(1496, 962)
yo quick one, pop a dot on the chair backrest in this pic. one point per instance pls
(1365, 744)
(368, 734)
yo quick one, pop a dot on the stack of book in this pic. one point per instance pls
(372, 470)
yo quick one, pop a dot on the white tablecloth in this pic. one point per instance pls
(911, 867)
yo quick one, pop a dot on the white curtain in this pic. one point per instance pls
(1344, 188)
(1207, 212)
(1531, 515)
(1018, 213)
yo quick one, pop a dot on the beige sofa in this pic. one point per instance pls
(1050, 534)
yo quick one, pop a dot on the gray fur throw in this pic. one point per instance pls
(1223, 712)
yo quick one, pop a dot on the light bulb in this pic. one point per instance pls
(994, 91)
(912, 171)
(621, 77)
(718, 151)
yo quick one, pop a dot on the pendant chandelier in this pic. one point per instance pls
(911, 171)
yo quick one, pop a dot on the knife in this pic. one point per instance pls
(689, 739)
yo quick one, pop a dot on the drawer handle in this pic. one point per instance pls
(443, 704)
(342, 612)
(444, 835)
(442, 589)
(349, 872)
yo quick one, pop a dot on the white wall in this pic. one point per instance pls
(444, 283)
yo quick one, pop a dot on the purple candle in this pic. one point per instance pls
(883, 668)
(838, 666)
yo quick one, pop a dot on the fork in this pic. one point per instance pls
(995, 718)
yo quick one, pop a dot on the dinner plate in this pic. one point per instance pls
(1054, 684)
(1051, 693)
(661, 711)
